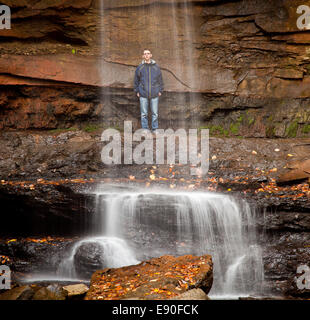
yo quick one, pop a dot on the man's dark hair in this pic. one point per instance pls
(147, 50)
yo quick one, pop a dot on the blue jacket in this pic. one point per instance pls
(148, 80)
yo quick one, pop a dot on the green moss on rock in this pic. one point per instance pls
(291, 130)
(306, 129)
(215, 130)
(251, 121)
(234, 128)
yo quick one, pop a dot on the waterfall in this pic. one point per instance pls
(162, 222)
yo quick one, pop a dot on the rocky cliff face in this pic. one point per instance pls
(241, 63)
(286, 249)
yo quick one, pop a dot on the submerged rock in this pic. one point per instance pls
(158, 278)
(51, 292)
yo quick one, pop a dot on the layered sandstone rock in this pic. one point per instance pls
(240, 67)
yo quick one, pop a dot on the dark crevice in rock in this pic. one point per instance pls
(61, 37)
(42, 83)
(56, 211)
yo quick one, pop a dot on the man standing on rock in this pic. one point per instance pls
(148, 85)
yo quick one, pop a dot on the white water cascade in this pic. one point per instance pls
(115, 253)
(159, 222)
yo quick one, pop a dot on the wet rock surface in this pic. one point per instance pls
(155, 279)
(286, 247)
(44, 211)
(27, 256)
(48, 291)
(282, 258)
(88, 258)
(51, 292)
(18, 293)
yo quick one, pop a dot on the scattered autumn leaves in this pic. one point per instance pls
(32, 185)
(293, 192)
(171, 176)
(4, 259)
(48, 240)
(148, 281)
(212, 183)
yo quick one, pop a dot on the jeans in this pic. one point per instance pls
(144, 104)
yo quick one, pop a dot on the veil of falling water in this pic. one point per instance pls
(183, 38)
(168, 30)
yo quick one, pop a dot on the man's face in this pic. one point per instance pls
(147, 55)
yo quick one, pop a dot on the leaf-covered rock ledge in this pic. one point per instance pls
(159, 278)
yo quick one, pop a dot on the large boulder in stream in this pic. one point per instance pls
(166, 277)
(88, 258)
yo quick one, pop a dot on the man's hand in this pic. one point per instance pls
(159, 94)
(138, 95)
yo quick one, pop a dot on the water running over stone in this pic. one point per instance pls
(93, 253)
(162, 222)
